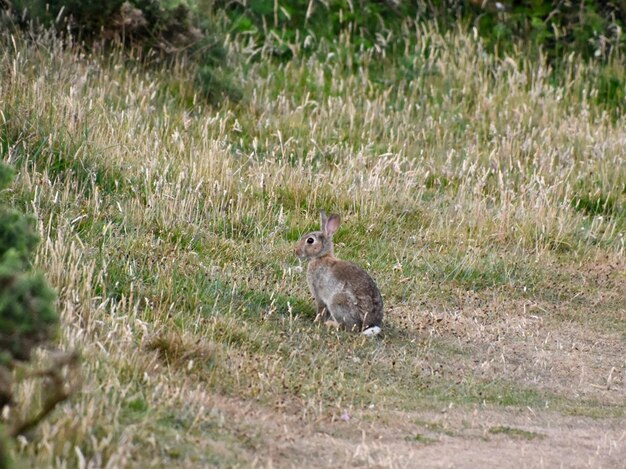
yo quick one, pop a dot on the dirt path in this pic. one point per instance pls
(455, 438)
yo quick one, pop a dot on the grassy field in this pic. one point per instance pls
(486, 197)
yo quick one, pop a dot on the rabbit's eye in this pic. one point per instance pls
(310, 240)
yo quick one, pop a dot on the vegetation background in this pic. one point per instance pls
(172, 152)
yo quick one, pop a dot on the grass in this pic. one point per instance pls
(486, 200)
(516, 433)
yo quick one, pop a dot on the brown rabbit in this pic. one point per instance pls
(344, 292)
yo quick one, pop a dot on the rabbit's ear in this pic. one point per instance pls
(324, 220)
(332, 225)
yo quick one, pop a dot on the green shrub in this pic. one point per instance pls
(159, 24)
(88, 16)
(27, 312)
(590, 28)
(16, 234)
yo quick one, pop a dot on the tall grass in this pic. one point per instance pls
(168, 228)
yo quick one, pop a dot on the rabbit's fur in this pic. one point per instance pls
(345, 294)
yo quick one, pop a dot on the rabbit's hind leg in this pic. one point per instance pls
(322, 313)
(343, 310)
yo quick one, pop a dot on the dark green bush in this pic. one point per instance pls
(589, 28)
(89, 16)
(16, 234)
(27, 312)
(151, 22)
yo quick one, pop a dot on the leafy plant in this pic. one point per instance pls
(27, 313)
(28, 317)
(590, 28)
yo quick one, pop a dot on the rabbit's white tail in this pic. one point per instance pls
(372, 331)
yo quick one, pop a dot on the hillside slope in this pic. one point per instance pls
(486, 199)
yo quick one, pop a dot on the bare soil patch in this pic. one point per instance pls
(453, 437)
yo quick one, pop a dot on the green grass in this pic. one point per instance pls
(486, 200)
(515, 433)
(419, 438)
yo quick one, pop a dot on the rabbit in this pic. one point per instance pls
(345, 294)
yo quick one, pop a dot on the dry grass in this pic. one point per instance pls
(467, 184)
